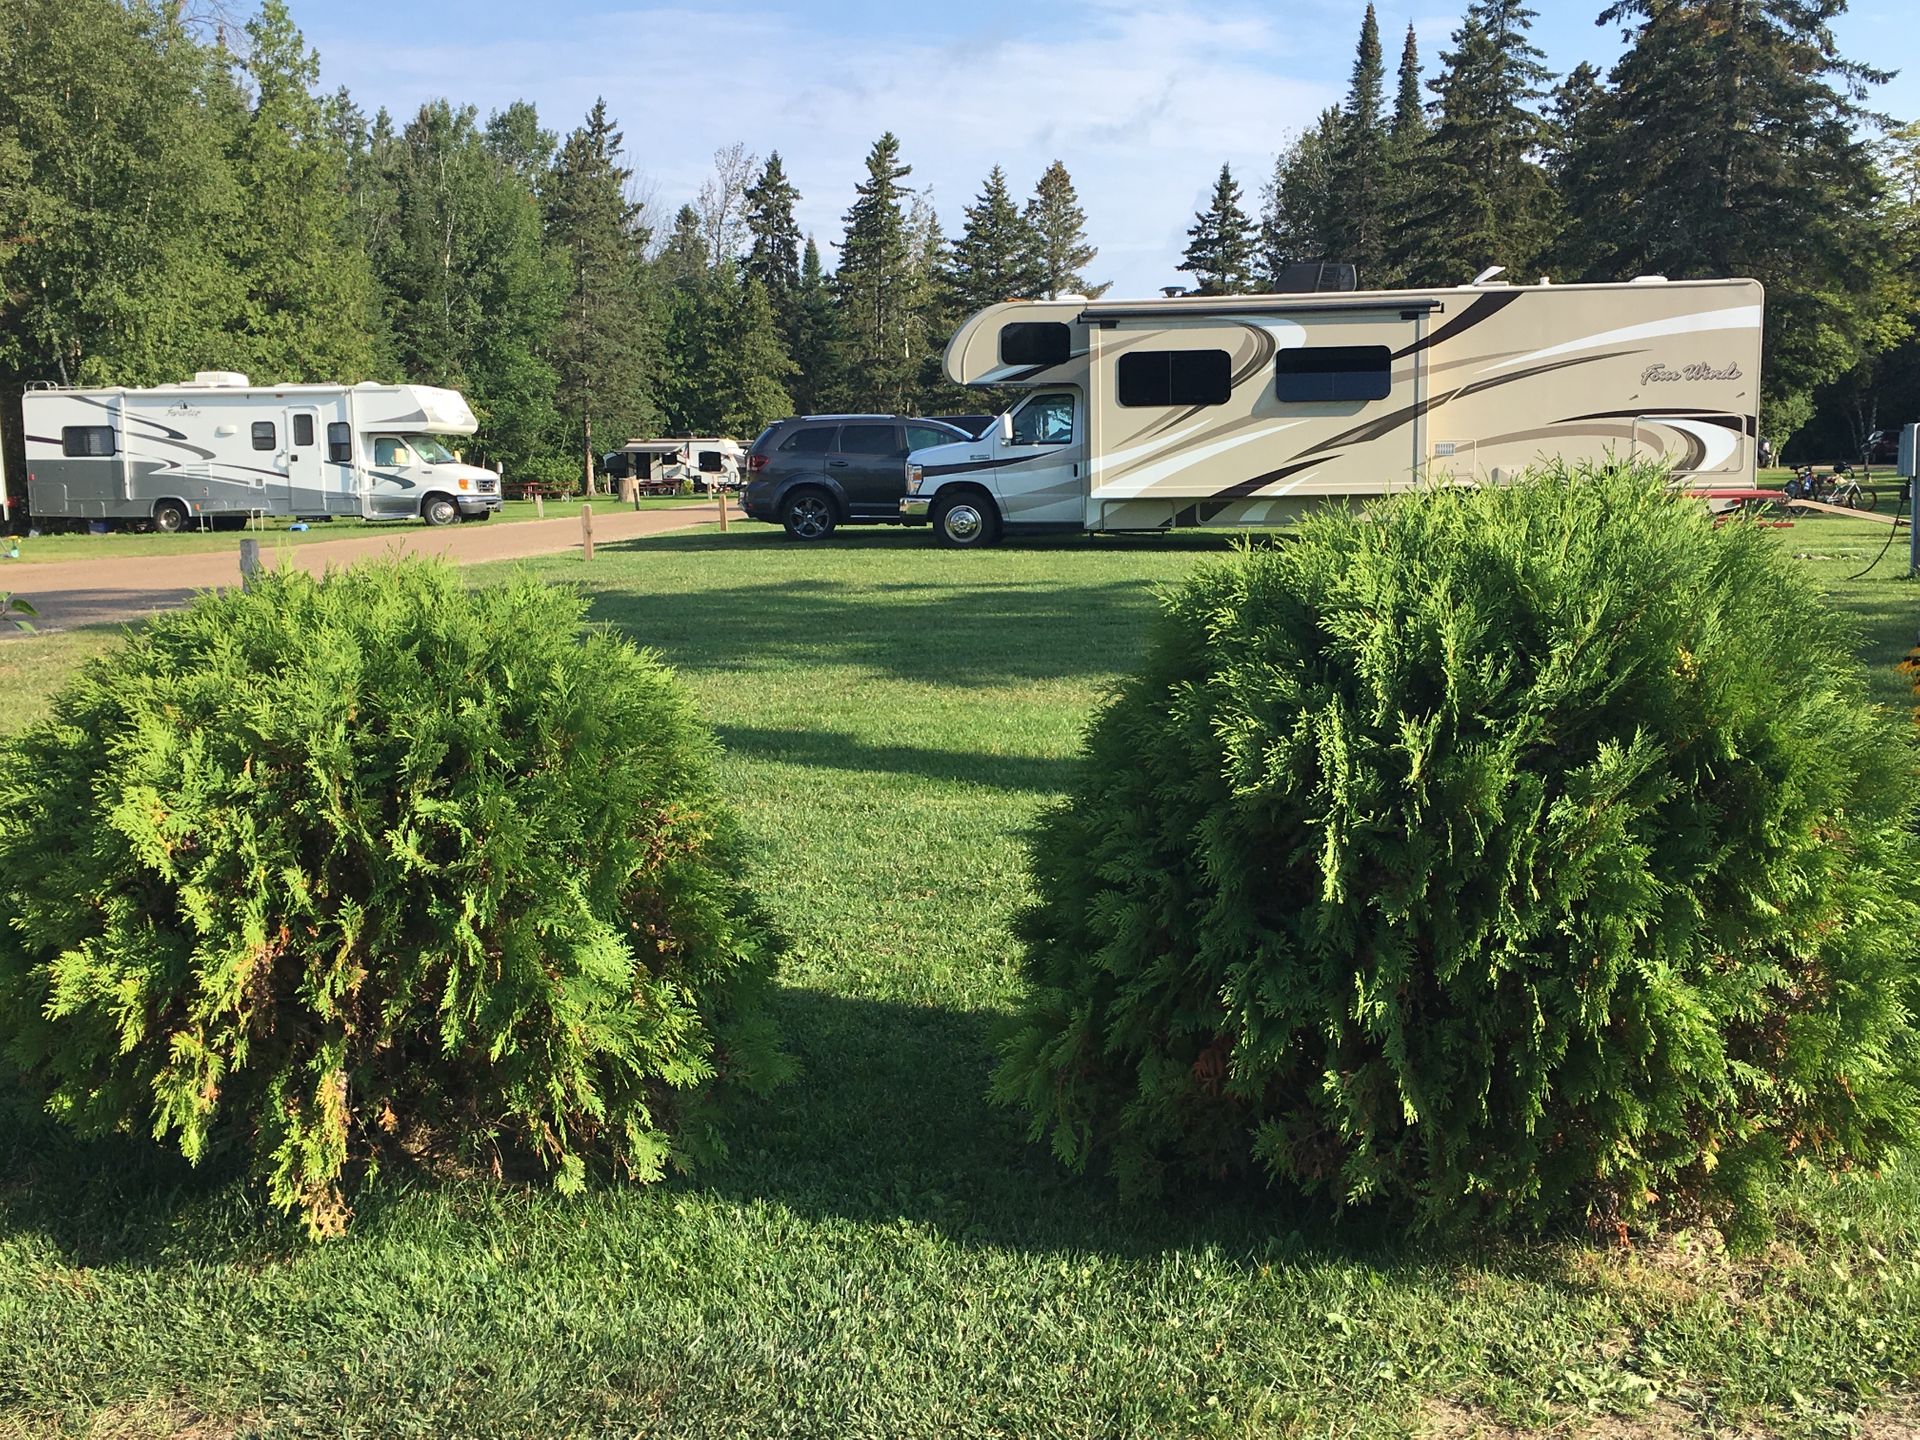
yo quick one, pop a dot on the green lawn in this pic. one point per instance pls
(884, 1254)
(273, 534)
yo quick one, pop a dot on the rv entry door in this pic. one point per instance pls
(306, 477)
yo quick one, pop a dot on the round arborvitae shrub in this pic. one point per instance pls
(1530, 854)
(377, 865)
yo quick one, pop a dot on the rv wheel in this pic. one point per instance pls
(170, 516)
(439, 510)
(966, 521)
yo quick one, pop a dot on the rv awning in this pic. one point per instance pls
(1209, 305)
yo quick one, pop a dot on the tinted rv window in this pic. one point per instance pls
(303, 429)
(1035, 342)
(265, 437)
(339, 443)
(1175, 377)
(711, 462)
(1333, 372)
(86, 440)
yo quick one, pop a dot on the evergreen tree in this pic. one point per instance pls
(1734, 144)
(1220, 242)
(1478, 195)
(1357, 225)
(997, 256)
(773, 252)
(724, 365)
(602, 345)
(309, 304)
(683, 259)
(817, 345)
(1409, 125)
(874, 283)
(1059, 226)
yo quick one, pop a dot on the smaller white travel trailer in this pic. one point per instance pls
(218, 448)
(1251, 410)
(708, 462)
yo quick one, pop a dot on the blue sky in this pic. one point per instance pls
(1142, 103)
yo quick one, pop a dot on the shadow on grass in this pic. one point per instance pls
(829, 750)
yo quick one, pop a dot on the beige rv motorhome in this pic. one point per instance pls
(1250, 409)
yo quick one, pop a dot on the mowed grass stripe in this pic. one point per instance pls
(883, 1254)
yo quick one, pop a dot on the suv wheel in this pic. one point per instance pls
(808, 514)
(967, 521)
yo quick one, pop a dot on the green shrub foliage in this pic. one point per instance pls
(1529, 855)
(374, 865)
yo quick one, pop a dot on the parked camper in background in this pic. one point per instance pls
(1250, 409)
(706, 462)
(218, 448)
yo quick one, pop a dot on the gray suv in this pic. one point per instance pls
(814, 473)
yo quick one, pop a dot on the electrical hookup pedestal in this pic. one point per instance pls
(1909, 464)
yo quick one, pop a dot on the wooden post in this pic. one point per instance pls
(249, 562)
(723, 509)
(539, 506)
(586, 532)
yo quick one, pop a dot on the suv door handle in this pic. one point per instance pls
(836, 464)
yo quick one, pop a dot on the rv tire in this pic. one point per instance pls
(966, 520)
(807, 513)
(170, 517)
(439, 510)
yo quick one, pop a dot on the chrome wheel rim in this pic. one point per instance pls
(963, 523)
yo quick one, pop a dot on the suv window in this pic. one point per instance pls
(813, 440)
(869, 440)
(1044, 420)
(919, 437)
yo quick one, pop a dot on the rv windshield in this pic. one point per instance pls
(429, 449)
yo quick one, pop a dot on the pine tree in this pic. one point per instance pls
(874, 284)
(1358, 224)
(683, 259)
(310, 298)
(602, 346)
(1060, 228)
(1733, 144)
(773, 252)
(1478, 195)
(1220, 242)
(1409, 125)
(724, 365)
(818, 345)
(997, 256)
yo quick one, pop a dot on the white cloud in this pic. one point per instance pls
(1142, 105)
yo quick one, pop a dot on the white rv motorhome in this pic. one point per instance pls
(218, 448)
(1244, 410)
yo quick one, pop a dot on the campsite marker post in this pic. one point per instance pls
(586, 532)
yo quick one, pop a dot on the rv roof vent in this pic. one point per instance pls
(1072, 295)
(217, 380)
(1649, 279)
(1173, 292)
(1486, 276)
(1313, 277)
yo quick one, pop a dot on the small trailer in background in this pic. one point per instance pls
(218, 448)
(662, 467)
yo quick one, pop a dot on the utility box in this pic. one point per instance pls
(1909, 449)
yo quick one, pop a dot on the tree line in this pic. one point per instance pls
(177, 196)
(1730, 138)
(174, 200)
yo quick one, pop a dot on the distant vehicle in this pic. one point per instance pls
(706, 462)
(1252, 410)
(814, 473)
(1883, 447)
(217, 449)
(974, 425)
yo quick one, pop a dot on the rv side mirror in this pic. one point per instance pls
(1006, 427)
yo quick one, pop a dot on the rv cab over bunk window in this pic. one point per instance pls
(1175, 377)
(87, 440)
(1036, 342)
(1319, 373)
